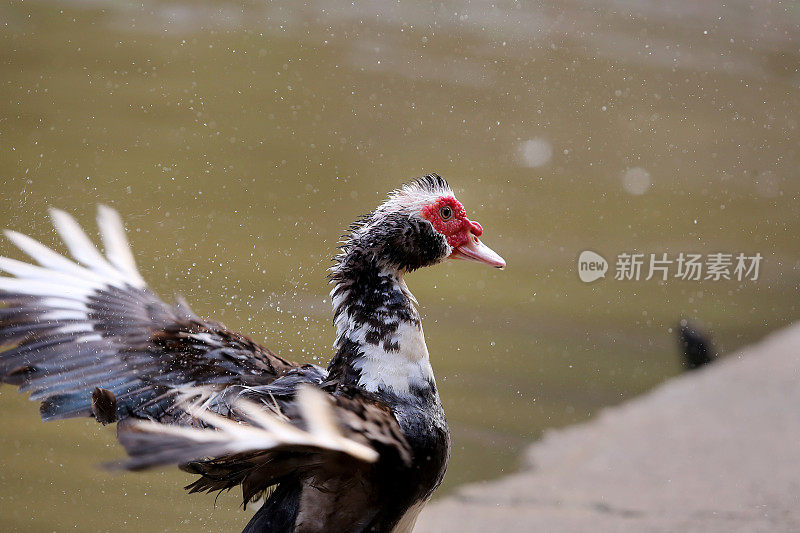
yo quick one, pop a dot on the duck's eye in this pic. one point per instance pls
(445, 212)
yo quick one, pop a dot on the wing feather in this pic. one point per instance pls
(89, 338)
(81, 247)
(47, 257)
(260, 430)
(118, 251)
(262, 440)
(70, 327)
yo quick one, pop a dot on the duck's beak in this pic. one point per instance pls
(475, 250)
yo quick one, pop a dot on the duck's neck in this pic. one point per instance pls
(379, 345)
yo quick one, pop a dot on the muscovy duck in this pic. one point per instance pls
(359, 446)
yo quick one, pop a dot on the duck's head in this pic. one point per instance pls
(420, 224)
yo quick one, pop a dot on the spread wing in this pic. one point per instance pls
(270, 434)
(88, 338)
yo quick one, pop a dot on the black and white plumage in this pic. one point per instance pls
(360, 446)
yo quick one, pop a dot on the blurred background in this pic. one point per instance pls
(238, 140)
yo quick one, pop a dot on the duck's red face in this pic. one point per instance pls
(449, 218)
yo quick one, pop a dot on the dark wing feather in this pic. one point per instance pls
(272, 439)
(71, 328)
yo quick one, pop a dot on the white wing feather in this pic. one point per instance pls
(117, 249)
(63, 279)
(267, 430)
(81, 247)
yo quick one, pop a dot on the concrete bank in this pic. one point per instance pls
(715, 450)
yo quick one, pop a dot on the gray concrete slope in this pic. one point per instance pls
(715, 450)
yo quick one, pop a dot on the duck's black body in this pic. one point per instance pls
(359, 446)
(388, 492)
(422, 419)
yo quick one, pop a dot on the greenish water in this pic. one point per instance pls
(238, 142)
